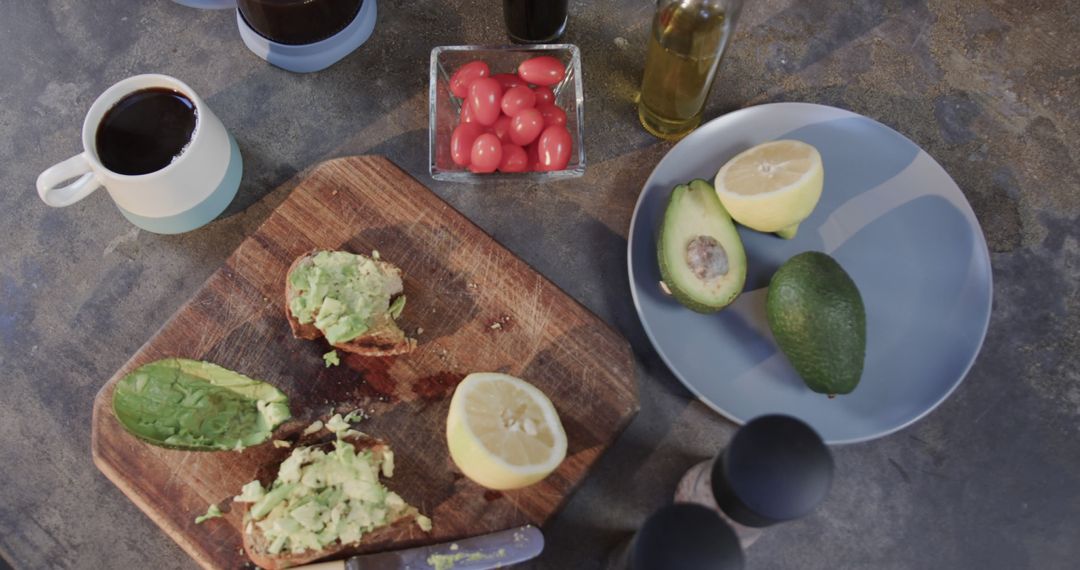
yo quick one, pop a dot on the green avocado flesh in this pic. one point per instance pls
(198, 406)
(701, 257)
(817, 316)
(323, 497)
(341, 293)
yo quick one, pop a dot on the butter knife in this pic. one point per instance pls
(494, 550)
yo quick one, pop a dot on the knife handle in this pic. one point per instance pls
(331, 565)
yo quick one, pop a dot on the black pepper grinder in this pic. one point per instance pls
(682, 536)
(775, 469)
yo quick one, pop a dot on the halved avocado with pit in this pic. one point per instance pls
(187, 404)
(702, 261)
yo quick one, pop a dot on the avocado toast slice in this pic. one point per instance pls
(350, 299)
(325, 500)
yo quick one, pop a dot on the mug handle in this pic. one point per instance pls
(60, 196)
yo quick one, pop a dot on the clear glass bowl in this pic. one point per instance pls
(444, 107)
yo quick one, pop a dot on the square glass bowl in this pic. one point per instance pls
(444, 107)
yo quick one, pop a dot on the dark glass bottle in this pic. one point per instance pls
(535, 21)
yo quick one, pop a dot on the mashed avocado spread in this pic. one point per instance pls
(323, 497)
(449, 561)
(341, 293)
(187, 404)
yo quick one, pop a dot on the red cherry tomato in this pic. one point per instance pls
(553, 147)
(526, 126)
(486, 153)
(461, 142)
(508, 80)
(485, 96)
(465, 75)
(534, 157)
(501, 128)
(467, 113)
(553, 115)
(544, 96)
(517, 99)
(514, 158)
(544, 70)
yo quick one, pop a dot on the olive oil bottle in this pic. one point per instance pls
(685, 47)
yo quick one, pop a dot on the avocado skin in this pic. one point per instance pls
(736, 256)
(817, 316)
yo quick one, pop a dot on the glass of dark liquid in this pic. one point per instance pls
(535, 21)
(164, 157)
(295, 22)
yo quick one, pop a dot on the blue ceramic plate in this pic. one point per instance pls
(890, 215)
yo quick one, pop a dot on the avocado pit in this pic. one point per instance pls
(706, 258)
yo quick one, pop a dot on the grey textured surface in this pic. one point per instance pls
(989, 480)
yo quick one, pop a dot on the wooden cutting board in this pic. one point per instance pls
(474, 307)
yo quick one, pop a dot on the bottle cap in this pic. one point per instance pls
(688, 537)
(775, 469)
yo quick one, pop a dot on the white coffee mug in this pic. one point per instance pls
(188, 193)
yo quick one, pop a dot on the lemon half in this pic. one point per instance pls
(503, 432)
(772, 187)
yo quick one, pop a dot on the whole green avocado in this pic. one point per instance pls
(817, 316)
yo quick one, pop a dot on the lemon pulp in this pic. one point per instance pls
(503, 432)
(772, 187)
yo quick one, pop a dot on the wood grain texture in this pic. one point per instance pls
(473, 305)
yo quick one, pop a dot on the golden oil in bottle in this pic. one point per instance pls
(687, 41)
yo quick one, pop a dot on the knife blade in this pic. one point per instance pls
(494, 550)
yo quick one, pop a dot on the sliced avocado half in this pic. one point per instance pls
(187, 404)
(702, 261)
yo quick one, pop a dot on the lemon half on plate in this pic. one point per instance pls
(772, 186)
(503, 432)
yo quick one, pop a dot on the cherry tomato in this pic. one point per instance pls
(501, 128)
(553, 115)
(508, 80)
(514, 158)
(544, 96)
(526, 126)
(485, 95)
(553, 147)
(461, 142)
(517, 99)
(544, 70)
(465, 75)
(486, 153)
(534, 157)
(467, 113)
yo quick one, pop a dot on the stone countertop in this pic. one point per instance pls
(991, 479)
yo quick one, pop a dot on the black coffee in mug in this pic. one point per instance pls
(296, 22)
(145, 131)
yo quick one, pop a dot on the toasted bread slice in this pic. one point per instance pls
(256, 546)
(383, 338)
